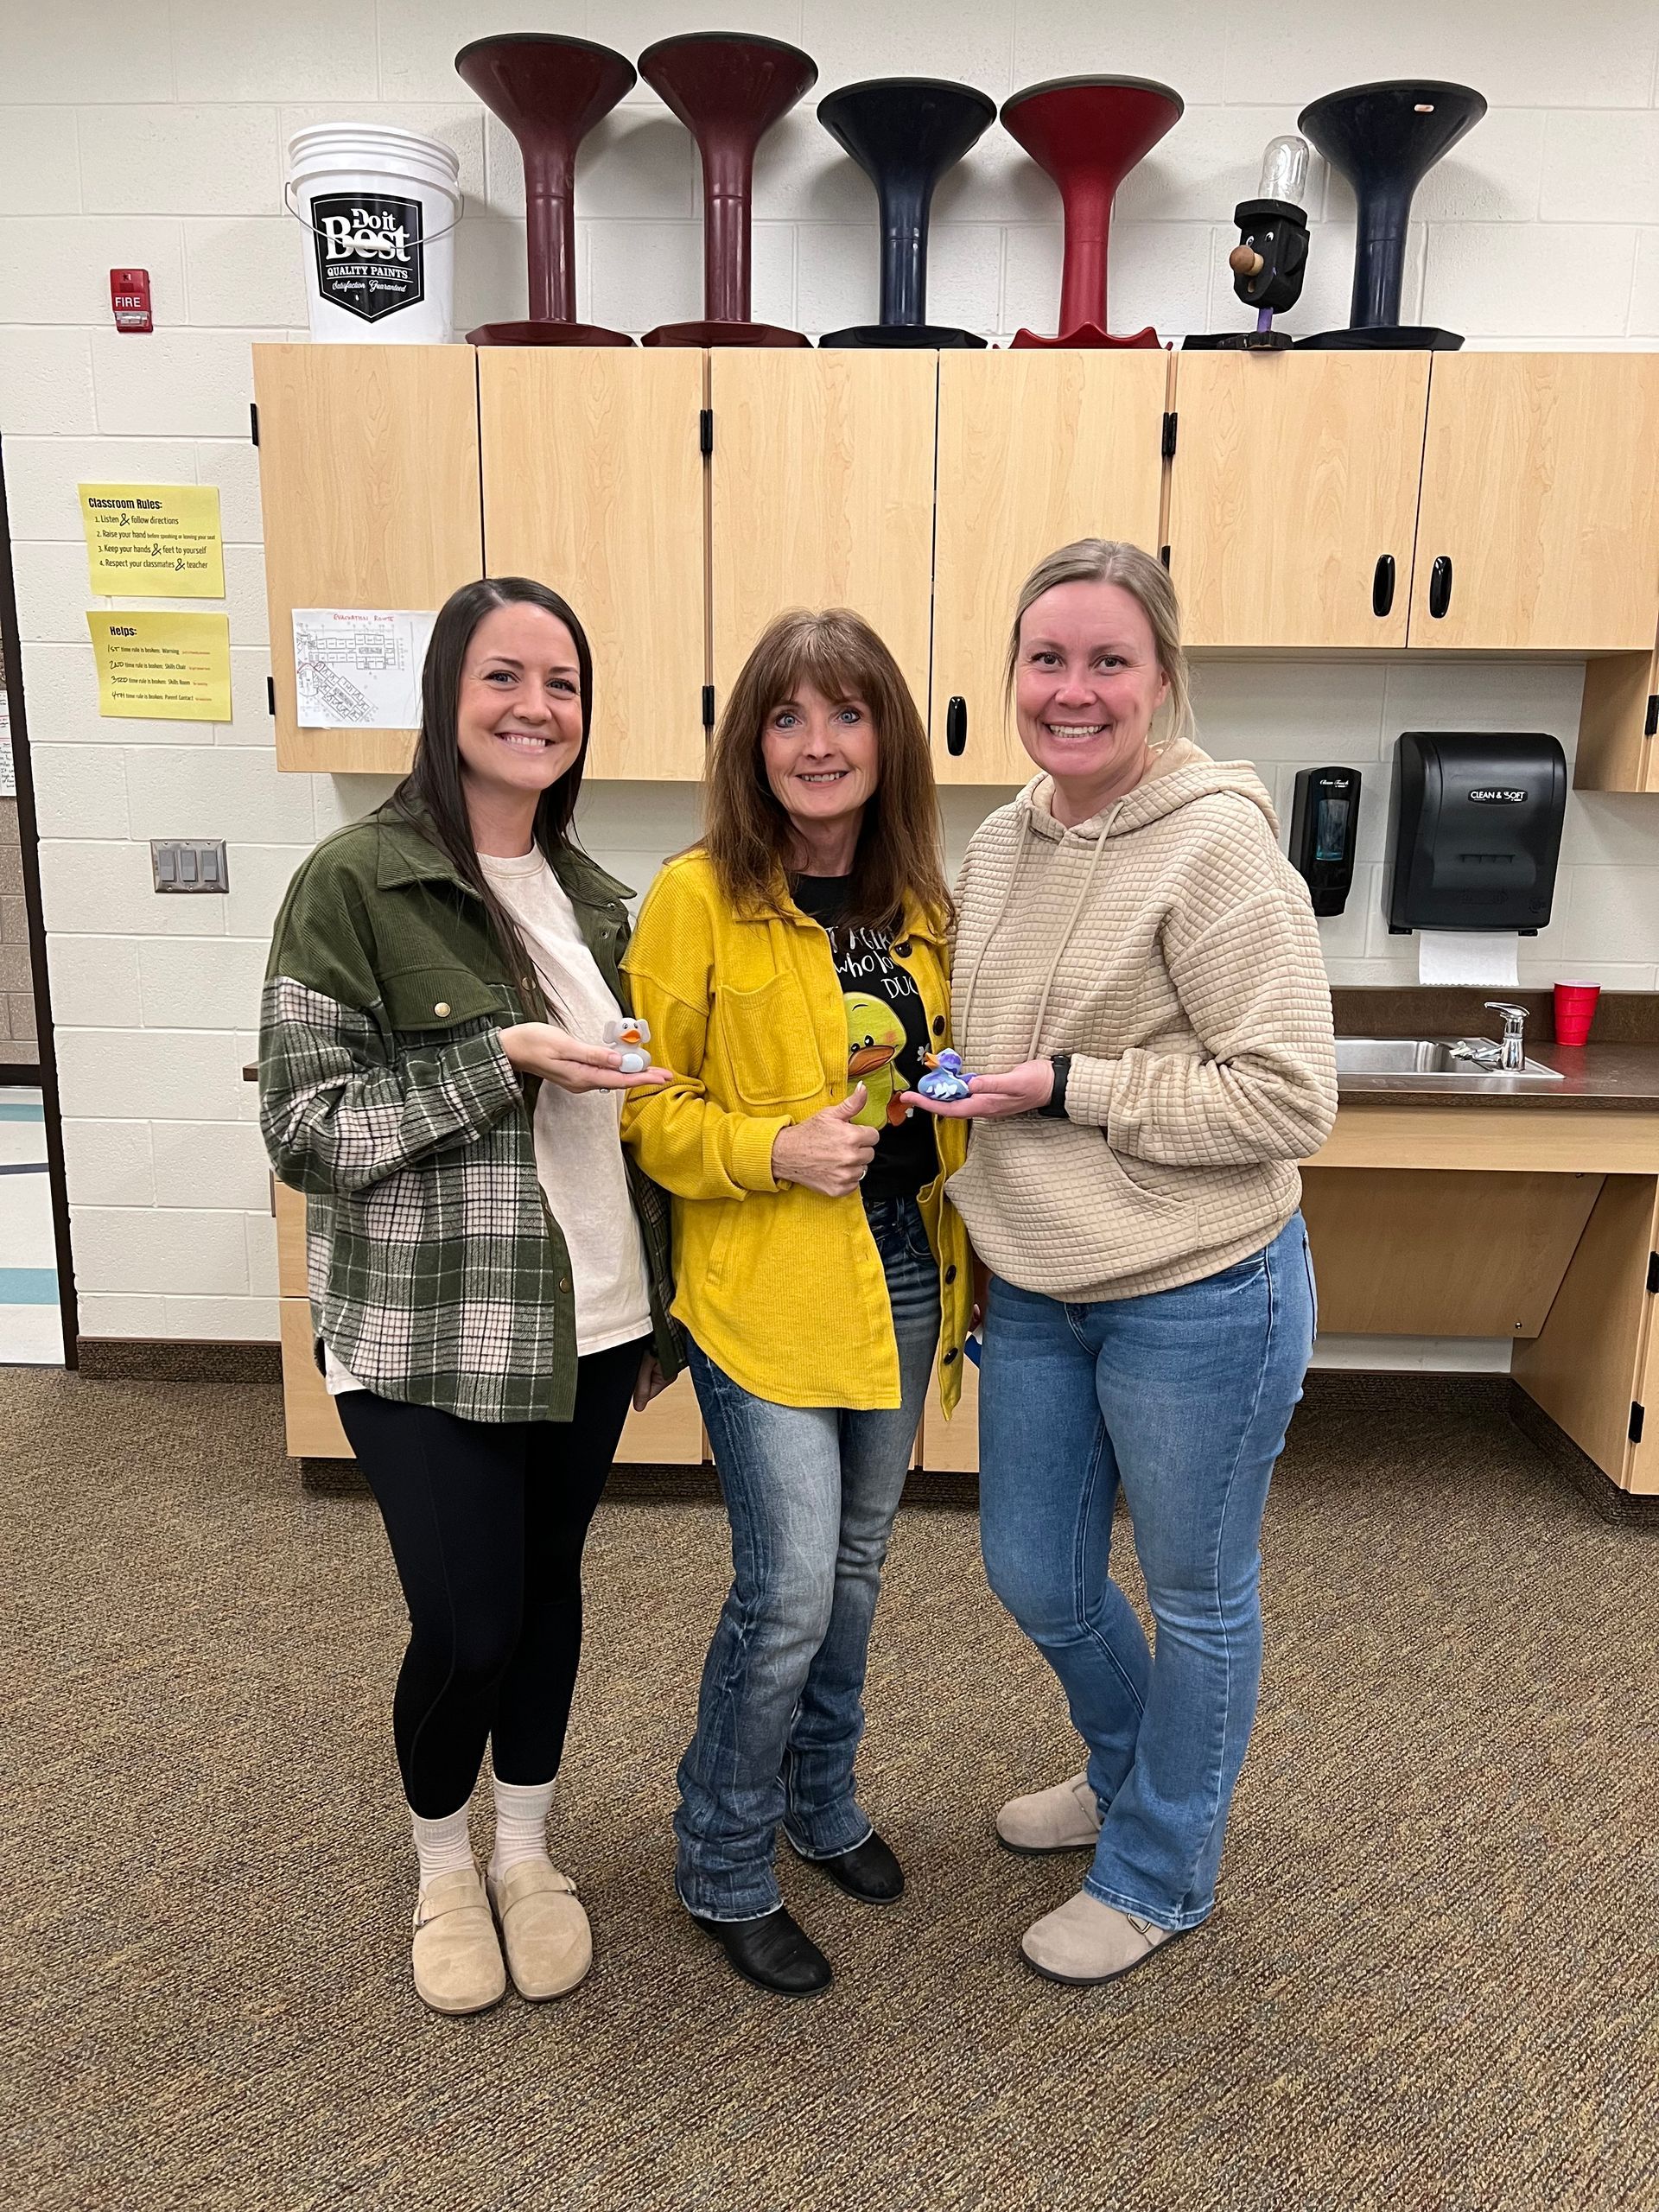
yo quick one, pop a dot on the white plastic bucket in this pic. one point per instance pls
(379, 207)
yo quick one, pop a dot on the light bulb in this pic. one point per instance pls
(1284, 170)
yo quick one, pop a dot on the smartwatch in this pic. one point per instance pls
(1054, 1105)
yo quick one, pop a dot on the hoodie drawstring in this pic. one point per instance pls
(959, 1024)
(1067, 935)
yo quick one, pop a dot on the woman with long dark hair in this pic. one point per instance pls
(489, 1272)
(793, 969)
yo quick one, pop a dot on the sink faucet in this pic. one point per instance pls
(1512, 1054)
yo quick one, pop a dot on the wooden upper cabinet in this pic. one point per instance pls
(368, 474)
(1293, 486)
(1035, 449)
(1618, 725)
(822, 495)
(1539, 527)
(593, 483)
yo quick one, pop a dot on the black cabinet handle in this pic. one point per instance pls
(1383, 585)
(956, 728)
(1439, 585)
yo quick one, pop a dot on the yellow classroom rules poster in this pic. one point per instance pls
(154, 541)
(156, 667)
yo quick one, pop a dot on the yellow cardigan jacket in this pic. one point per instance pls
(779, 1285)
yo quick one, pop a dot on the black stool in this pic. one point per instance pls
(1384, 139)
(905, 132)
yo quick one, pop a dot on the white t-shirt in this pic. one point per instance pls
(578, 1148)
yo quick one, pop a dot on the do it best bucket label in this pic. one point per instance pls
(370, 257)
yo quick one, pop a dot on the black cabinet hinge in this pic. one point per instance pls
(1650, 727)
(1172, 423)
(270, 695)
(1163, 554)
(253, 420)
(1653, 1275)
(707, 706)
(706, 430)
(1638, 1415)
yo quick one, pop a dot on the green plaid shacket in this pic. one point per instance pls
(437, 1274)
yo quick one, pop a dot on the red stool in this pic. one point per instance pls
(728, 91)
(1089, 132)
(549, 92)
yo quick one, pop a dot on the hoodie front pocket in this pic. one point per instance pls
(1147, 1179)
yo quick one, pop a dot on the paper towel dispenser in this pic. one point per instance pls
(1474, 830)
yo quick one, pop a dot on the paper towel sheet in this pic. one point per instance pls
(1484, 957)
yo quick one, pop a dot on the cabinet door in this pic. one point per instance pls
(1035, 449)
(593, 483)
(951, 1448)
(1294, 481)
(368, 474)
(1539, 527)
(822, 489)
(1618, 726)
(669, 1433)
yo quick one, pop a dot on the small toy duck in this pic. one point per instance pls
(628, 1036)
(944, 1080)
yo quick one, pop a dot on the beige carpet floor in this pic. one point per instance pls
(1431, 1979)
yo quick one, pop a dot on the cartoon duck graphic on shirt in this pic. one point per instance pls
(875, 1036)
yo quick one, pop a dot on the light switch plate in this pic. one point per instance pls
(189, 863)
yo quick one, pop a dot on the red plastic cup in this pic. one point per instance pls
(1575, 1009)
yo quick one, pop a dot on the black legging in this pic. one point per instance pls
(486, 1521)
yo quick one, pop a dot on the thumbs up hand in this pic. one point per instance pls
(829, 1152)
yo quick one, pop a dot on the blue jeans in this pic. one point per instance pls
(1182, 1398)
(811, 1491)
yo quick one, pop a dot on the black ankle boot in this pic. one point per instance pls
(868, 1872)
(775, 1952)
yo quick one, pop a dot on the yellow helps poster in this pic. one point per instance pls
(155, 667)
(154, 541)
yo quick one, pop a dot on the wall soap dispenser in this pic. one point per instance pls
(1324, 825)
(1474, 830)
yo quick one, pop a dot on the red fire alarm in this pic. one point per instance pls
(129, 297)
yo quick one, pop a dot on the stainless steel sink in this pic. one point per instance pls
(1449, 1063)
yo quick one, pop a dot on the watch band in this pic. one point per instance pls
(1054, 1106)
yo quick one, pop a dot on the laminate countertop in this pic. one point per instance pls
(1621, 1078)
(1617, 1071)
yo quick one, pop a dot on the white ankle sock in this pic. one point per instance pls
(444, 1847)
(521, 1810)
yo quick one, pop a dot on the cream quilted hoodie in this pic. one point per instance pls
(1170, 947)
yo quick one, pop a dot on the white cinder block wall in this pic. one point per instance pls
(150, 133)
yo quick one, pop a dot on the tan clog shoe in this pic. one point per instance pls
(457, 1960)
(548, 1943)
(1064, 1817)
(1086, 1941)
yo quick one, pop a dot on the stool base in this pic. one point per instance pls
(722, 333)
(1087, 335)
(546, 333)
(887, 336)
(1239, 342)
(1385, 338)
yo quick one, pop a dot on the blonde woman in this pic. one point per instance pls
(793, 970)
(1137, 972)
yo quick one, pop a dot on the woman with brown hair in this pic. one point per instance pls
(792, 966)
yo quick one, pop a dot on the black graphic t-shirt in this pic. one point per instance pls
(886, 1036)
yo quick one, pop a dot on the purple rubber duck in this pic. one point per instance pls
(944, 1080)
